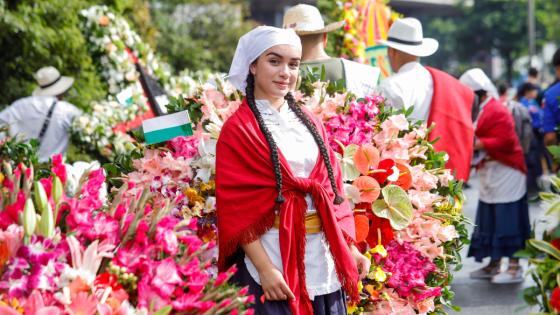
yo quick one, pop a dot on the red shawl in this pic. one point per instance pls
(451, 111)
(245, 196)
(496, 130)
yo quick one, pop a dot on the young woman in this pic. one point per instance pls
(281, 217)
(502, 217)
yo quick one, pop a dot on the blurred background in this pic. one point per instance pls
(504, 37)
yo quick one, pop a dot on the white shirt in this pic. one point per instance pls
(412, 85)
(26, 116)
(500, 183)
(300, 150)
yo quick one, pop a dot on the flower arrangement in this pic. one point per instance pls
(83, 253)
(544, 254)
(406, 205)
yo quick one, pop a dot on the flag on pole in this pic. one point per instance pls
(167, 127)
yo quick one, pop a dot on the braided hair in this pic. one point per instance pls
(250, 95)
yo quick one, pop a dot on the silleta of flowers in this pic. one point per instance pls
(544, 256)
(153, 240)
(129, 253)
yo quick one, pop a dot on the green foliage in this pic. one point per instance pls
(470, 36)
(15, 151)
(41, 33)
(123, 164)
(198, 34)
(311, 75)
(333, 12)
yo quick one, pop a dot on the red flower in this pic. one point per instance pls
(405, 178)
(384, 170)
(58, 167)
(555, 299)
(381, 224)
(556, 243)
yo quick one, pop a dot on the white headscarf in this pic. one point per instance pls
(476, 79)
(252, 45)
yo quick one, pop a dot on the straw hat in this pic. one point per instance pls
(307, 20)
(406, 35)
(51, 83)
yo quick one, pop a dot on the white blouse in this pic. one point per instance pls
(300, 150)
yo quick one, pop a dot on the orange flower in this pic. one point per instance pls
(104, 20)
(366, 158)
(4, 253)
(405, 178)
(369, 188)
(362, 227)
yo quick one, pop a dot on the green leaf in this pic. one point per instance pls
(554, 150)
(556, 182)
(554, 207)
(395, 207)
(164, 310)
(547, 196)
(545, 247)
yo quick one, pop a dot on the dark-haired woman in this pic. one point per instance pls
(281, 216)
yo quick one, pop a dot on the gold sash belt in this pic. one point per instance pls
(312, 223)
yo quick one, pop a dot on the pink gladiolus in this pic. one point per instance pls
(166, 277)
(58, 167)
(165, 235)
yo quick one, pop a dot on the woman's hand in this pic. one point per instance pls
(272, 281)
(362, 261)
(274, 285)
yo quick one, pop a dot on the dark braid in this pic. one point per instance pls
(271, 144)
(320, 143)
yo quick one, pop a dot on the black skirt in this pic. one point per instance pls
(501, 229)
(328, 304)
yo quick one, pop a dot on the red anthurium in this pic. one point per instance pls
(556, 243)
(385, 228)
(384, 170)
(555, 299)
(405, 178)
(362, 227)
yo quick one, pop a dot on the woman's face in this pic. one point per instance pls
(276, 71)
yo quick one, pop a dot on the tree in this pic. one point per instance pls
(200, 34)
(40, 33)
(467, 40)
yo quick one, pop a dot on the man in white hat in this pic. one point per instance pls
(436, 96)
(308, 23)
(43, 115)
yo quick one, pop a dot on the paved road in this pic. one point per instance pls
(480, 297)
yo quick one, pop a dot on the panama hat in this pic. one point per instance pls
(406, 35)
(51, 83)
(307, 20)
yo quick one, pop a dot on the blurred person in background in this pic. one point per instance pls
(502, 218)
(44, 115)
(306, 21)
(527, 95)
(436, 96)
(551, 104)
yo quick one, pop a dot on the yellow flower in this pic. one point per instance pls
(352, 308)
(380, 275)
(1, 177)
(193, 196)
(379, 249)
(14, 304)
(360, 286)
